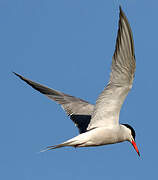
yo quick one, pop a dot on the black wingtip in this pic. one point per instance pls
(120, 8)
(16, 74)
(21, 77)
(122, 14)
(121, 11)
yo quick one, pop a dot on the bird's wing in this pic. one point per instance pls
(79, 110)
(108, 104)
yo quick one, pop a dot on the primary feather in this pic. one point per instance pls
(79, 110)
(108, 104)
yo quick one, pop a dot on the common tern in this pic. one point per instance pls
(99, 124)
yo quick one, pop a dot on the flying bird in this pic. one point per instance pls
(99, 124)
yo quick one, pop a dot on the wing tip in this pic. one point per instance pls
(122, 14)
(18, 75)
(15, 73)
(123, 18)
(120, 8)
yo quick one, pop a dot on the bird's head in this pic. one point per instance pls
(131, 137)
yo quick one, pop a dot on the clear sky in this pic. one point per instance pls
(68, 45)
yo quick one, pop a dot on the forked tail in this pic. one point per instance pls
(67, 143)
(78, 141)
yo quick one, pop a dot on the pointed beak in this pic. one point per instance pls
(135, 147)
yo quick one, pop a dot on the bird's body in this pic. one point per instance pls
(99, 124)
(97, 137)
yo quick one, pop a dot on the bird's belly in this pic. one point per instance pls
(102, 136)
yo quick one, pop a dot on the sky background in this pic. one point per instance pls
(68, 45)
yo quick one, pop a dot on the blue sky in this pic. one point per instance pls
(68, 45)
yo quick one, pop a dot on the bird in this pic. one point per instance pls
(99, 124)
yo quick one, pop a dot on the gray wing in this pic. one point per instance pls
(108, 104)
(79, 110)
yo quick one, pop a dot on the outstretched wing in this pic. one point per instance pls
(108, 105)
(80, 111)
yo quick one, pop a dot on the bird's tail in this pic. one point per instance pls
(67, 143)
(78, 141)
